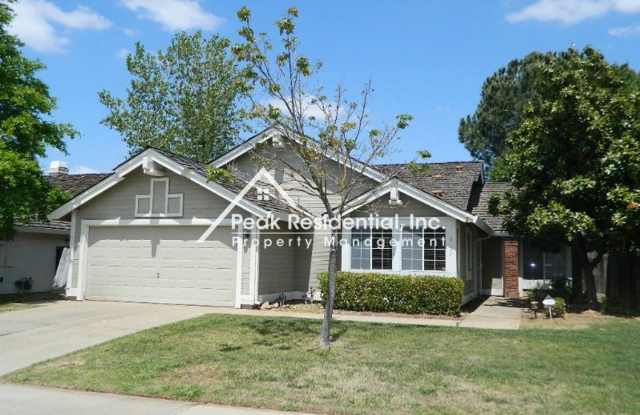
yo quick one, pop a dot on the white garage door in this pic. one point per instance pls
(161, 264)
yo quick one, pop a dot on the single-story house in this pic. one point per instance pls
(35, 248)
(137, 234)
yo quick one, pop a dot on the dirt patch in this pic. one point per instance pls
(580, 320)
(319, 309)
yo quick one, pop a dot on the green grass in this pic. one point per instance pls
(371, 369)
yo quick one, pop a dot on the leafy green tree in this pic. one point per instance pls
(574, 160)
(505, 95)
(26, 131)
(323, 128)
(185, 99)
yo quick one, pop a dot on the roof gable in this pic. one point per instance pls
(180, 166)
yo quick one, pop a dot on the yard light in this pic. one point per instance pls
(549, 302)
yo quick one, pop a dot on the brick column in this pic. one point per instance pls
(510, 268)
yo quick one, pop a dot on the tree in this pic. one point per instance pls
(320, 129)
(185, 99)
(27, 131)
(574, 160)
(504, 97)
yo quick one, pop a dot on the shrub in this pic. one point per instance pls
(396, 293)
(560, 308)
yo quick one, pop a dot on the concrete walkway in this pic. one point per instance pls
(55, 329)
(495, 313)
(32, 400)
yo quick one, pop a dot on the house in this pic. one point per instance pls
(35, 248)
(139, 233)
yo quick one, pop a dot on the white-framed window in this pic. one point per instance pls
(371, 249)
(263, 193)
(403, 248)
(159, 202)
(424, 249)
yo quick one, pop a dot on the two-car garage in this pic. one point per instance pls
(161, 264)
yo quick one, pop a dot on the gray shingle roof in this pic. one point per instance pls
(482, 208)
(454, 182)
(74, 184)
(234, 184)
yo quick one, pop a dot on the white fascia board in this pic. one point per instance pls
(414, 193)
(244, 147)
(272, 131)
(129, 166)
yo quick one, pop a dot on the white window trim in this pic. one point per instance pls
(448, 223)
(167, 196)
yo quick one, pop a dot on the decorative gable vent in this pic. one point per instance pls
(459, 168)
(438, 193)
(159, 203)
(264, 193)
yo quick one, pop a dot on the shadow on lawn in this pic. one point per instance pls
(280, 331)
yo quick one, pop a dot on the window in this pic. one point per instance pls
(381, 249)
(424, 249)
(360, 249)
(159, 202)
(542, 264)
(371, 249)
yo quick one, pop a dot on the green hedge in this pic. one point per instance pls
(396, 293)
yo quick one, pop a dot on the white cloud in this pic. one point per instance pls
(310, 109)
(175, 14)
(572, 11)
(625, 31)
(129, 32)
(37, 24)
(122, 53)
(83, 170)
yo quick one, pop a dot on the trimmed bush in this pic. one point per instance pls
(396, 293)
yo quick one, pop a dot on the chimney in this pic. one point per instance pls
(57, 168)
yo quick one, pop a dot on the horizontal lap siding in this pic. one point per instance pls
(119, 203)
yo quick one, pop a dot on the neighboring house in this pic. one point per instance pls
(134, 235)
(35, 248)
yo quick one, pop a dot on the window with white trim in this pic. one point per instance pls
(159, 203)
(424, 249)
(371, 249)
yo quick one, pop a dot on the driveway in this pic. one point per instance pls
(36, 334)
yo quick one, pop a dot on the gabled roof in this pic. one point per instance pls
(182, 166)
(396, 185)
(74, 184)
(452, 181)
(482, 209)
(274, 131)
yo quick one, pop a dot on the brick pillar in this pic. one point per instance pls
(510, 267)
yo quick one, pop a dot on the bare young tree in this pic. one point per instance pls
(330, 140)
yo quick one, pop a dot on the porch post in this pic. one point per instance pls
(510, 268)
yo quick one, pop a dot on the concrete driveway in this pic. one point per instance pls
(36, 334)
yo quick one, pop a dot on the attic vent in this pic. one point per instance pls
(263, 193)
(438, 193)
(459, 168)
(438, 176)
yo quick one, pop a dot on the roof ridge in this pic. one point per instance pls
(434, 162)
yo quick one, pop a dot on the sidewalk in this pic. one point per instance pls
(32, 400)
(495, 313)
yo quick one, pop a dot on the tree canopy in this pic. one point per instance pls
(185, 99)
(574, 158)
(27, 130)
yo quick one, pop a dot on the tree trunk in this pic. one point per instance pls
(325, 331)
(576, 283)
(586, 267)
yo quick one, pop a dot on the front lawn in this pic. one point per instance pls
(382, 369)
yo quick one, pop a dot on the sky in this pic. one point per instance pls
(427, 58)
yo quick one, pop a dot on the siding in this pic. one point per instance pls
(29, 255)
(119, 202)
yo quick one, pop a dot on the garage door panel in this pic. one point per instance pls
(162, 264)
